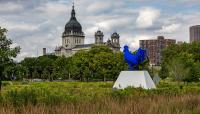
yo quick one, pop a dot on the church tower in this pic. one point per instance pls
(99, 37)
(73, 34)
(115, 41)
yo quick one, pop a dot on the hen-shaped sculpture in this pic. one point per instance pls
(134, 60)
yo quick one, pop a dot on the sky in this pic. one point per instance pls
(37, 24)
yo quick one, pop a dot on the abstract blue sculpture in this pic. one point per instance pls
(134, 60)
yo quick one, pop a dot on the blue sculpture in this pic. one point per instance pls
(134, 60)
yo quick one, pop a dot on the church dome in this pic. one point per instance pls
(73, 25)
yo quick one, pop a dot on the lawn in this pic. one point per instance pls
(98, 97)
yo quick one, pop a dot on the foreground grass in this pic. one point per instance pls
(161, 104)
(98, 97)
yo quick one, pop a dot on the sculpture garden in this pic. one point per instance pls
(99, 57)
(83, 83)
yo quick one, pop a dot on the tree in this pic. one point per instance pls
(45, 74)
(178, 70)
(39, 64)
(35, 74)
(163, 73)
(9, 72)
(194, 74)
(80, 63)
(15, 71)
(118, 65)
(181, 61)
(6, 52)
(62, 66)
(104, 63)
(30, 65)
(100, 48)
(99, 63)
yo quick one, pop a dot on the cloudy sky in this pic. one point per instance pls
(34, 24)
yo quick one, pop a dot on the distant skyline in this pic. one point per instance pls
(34, 24)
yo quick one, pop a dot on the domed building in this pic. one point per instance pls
(73, 38)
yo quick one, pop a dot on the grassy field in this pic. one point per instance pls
(98, 97)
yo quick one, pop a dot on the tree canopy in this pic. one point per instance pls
(6, 52)
(181, 62)
(100, 63)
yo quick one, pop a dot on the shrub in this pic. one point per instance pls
(56, 93)
(24, 82)
(127, 92)
(6, 83)
(24, 96)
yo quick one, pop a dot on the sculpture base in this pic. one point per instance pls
(134, 79)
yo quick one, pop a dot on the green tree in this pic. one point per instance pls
(163, 73)
(100, 48)
(99, 63)
(55, 75)
(186, 57)
(6, 52)
(104, 63)
(118, 65)
(30, 65)
(9, 72)
(80, 62)
(178, 70)
(35, 74)
(62, 66)
(39, 64)
(15, 71)
(194, 73)
(45, 74)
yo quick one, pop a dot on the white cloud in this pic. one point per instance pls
(102, 6)
(22, 26)
(10, 7)
(98, 6)
(14, 25)
(147, 17)
(115, 23)
(133, 42)
(169, 28)
(54, 8)
(91, 30)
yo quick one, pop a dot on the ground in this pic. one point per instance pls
(98, 97)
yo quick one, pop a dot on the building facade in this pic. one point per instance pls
(73, 38)
(194, 33)
(154, 48)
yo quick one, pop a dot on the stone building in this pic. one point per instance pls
(73, 38)
(194, 33)
(154, 48)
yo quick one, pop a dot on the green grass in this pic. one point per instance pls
(67, 94)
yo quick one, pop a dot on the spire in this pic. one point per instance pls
(73, 6)
(73, 12)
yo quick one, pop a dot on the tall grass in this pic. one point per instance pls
(156, 104)
(89, 98)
